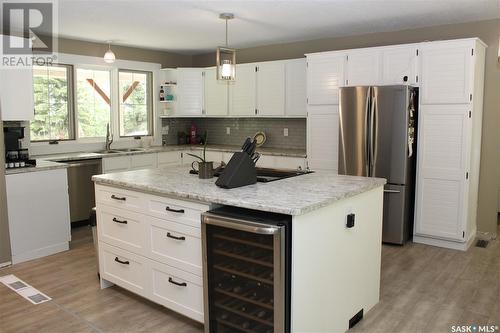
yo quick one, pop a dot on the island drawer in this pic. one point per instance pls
(175, 244)
(179, 211)
(119, 198)
(122, 228)
(124, 268)
(177, 290)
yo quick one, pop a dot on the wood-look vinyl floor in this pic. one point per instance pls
(424, 289)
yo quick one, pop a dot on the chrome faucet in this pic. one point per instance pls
(109, 138)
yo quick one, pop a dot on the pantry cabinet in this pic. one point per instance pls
(325, 74)
(323, 138)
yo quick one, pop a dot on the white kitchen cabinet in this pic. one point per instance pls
(271, 88)
(16, 92)
(129, 162)
(169, 158)
(325, 73)
(296, 88)
(38, 213)
(447, 71)
(323, 137)
(242, 92)
(363, 67)
(143, 161)
(189, 92)
(449, 143)
(285, 162)
(211, 155)
(399, 64)
(215, 94)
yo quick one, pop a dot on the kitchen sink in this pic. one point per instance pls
(128, 150)
(112, 151)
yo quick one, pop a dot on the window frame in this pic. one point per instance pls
(70, 103)
(111, 97)
(149, 96)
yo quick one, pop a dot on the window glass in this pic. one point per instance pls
(135, 103)
(93, 102)
(52, 88)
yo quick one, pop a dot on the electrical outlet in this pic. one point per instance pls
(285, 131)
(164, 130)
(228, 130)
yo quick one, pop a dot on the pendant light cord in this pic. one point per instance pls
(226, 33)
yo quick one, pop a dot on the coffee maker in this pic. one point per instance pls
(15, 155)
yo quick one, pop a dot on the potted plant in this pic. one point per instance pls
(205, 169)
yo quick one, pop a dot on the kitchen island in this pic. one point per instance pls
(335, 275)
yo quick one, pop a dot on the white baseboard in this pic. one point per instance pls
(460, 246)
(39, 253)
(5, 264)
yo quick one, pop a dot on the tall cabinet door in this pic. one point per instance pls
(447, 70)
(399, 65)
(442, 171)
(296, 87)
(325, 73)
(190, 92)
(271, 88)
(363, 67)
(323, 138)
(242, 92)
(215, 95)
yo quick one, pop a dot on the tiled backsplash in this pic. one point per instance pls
(240, 129)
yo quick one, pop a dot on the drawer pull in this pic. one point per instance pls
(118, 198)
(119, 221)
(183, 284)
(181, 238)
(175, 210)
(122, 262)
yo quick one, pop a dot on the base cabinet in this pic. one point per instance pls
(151, 246)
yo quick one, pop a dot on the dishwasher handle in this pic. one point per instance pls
(240, 224)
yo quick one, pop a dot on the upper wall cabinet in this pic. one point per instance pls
(399, 65)
(16, 93)
(271, 88)
(363, 67)
(446, 72)
(215, 96)
(190, 92)
(325, 73)
(242, 92)
(296, 87)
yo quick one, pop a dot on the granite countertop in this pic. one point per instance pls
(41, 165)
(292, 196)
(225, 148)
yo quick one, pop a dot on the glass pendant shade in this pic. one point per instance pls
(109, 56)
(226, 64)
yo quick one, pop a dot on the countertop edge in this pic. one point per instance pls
(46, 166)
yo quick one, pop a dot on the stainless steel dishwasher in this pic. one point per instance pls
(81, 187)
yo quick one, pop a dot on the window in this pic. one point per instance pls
(135, 116)
(93, 101)
(52, 88)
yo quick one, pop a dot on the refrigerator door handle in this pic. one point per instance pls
(367, 139)
(373, 136)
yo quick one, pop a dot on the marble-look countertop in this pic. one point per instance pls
(292, 196)
(41, 165)
(225, 148)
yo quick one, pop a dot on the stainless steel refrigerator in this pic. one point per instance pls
(377, 138)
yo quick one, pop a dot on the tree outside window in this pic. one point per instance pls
(135, 103)
(52, 89)
(93, 98)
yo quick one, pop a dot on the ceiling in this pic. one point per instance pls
(193, 27)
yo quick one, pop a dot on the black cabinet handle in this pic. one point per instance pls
(119, 221)
(175, 210)
(118, 198)
(183, 284)
(169, 235)
(122, 262)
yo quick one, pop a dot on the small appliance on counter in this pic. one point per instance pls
(15, 155)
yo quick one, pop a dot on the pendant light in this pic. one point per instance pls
(226, 57)
(109, 56)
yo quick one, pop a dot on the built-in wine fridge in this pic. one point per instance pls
(247, 271)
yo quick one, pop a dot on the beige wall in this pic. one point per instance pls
(167, 59)
(488, 31)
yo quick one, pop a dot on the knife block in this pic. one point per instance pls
(239, 171)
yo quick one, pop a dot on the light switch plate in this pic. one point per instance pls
(228, 130)
(285, 131)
